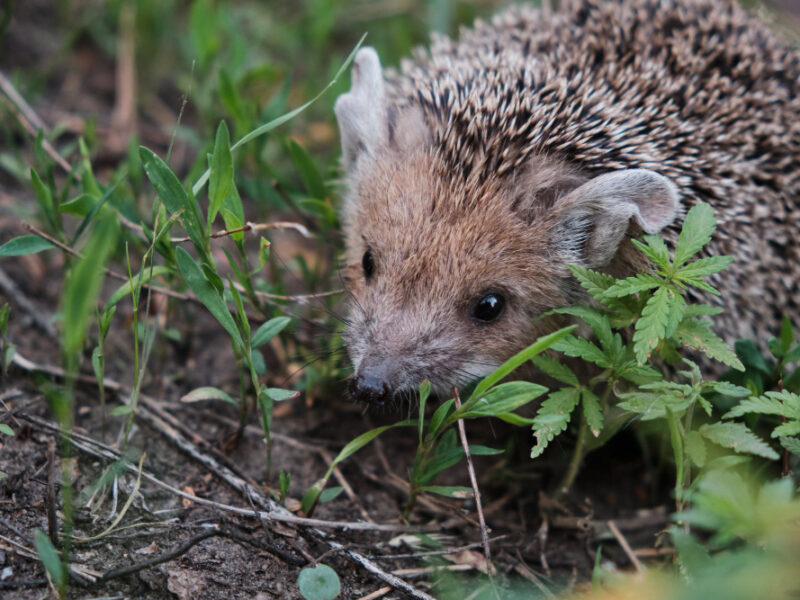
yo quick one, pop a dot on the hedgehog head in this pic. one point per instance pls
(448, 271)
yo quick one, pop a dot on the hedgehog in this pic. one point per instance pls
(483, 167)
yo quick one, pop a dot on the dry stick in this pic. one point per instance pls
(275, 513)
(379, 593)
(626, 547)
(29, 120)
(85, 444)
(392, 580)
(473, 479)
(249, 226)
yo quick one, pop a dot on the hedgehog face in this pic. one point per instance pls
(445, 278)
(447, 272)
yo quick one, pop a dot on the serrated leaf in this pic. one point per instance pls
(738, 438)
(697, 334)
(698, 227)
(592, 411)
(582, 348)
(652, 325)
(553, 417)
(677, 309)
(703, 267)
(269, 330)
(220, 166)
(701, 285)
(24, 244)
(786, 429)
(207, 294)
(696, 448)
(655, 249)
(632, 285)
(762, 405)
(598, 321)
(700, 310)
(649, 405)
(726, 388)
(792, 444)
(594, 282)
(555, 369)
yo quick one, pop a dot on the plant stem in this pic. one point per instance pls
(577, 457)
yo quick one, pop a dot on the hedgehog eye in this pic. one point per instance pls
(368, 264)
(488, 308)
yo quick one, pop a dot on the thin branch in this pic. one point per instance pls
(626, 547)
(473, 479)
(249, 226)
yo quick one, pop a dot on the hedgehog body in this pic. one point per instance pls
(484, 166)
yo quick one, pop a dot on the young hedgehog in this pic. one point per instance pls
(483, 168)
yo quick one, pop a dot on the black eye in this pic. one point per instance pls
(488, 308)
(368, 264)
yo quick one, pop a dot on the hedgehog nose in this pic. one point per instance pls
(369, 388)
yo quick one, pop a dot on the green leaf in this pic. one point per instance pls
(233, 214)
(677, 308)
(49, 556)
(24, 244)
(539, 346)
(553, 417)
(424, 392)
(693, 558)
(786, 336)
(787, 429)
(173, 195)
(79, 206)
(122, 409)
(450, 491)
(330, 493)
(312, 178)
(751, 355)
(269, 330)
(83, 283)
(578, 347)
(703, 267)
(208, 393)
(697, 230)
(655, 249)
(726, 388)
(439, 416)
(267, 127)
(632, 285)
(792, 444)
(221, 172)
(281, 395)
(5, 429)
(738, 438)
(594, 282)
(362, 440)
(207, 294)
(555, 369)
(696, 448)
(503, 398)
(592, 411)
(781, 404)
(697, 334)
(319, 583)
(598, 321)
(652, 325)
(124, 290)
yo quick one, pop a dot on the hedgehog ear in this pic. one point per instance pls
(361, 112)
(594, 218)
